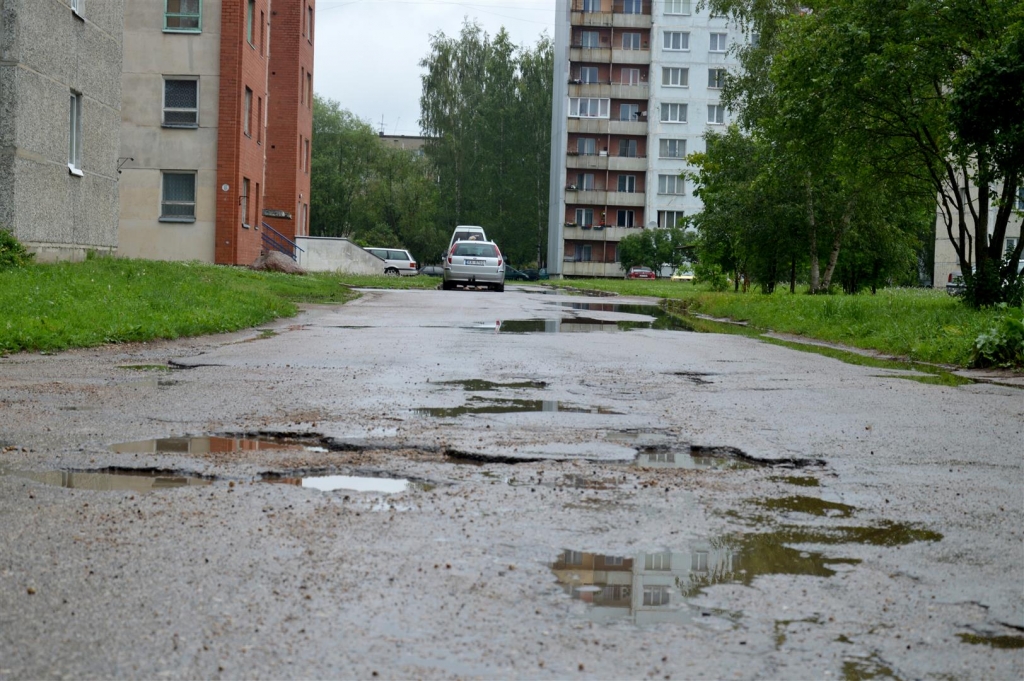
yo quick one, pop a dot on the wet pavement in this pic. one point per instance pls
(411, 486)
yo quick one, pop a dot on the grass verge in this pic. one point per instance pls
(109, 300)
(920, 324)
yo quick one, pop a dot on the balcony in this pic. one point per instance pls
(633, 163)
(631, 199)
(602, 19)
(592, 269)
(631, 20)
(586, 197)
(624, 56)
(599, 55)
(594, 126)
(578, 89)
(622, 91)
(612, 234)
(587, 162)
(624, 127)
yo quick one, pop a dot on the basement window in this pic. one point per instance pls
(183, 16)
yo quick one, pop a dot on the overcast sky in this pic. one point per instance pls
(368, 51)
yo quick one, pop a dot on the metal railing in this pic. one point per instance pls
(273, 240)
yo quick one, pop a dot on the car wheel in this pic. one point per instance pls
(391, 272)
(446, 285)
(500, 288)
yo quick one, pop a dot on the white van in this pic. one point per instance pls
(466, 233)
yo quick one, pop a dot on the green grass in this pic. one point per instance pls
(109, 300)
(920, 324)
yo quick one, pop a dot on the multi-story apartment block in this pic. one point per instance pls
(637, 84)
(60, 107)
(216, 127)
(946, 263)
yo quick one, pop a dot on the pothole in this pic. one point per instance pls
(480, 405)
(662, 321)
(209, 444)
(1001, 642)
(810, 506)
(353, 483)
(146, 367)
(664, 457)
(139, 480)
(480, 385)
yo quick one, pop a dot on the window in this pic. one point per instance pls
(1011, 243)
(699, 561)
(629, 112)
(631, 41)
(584, 216)
(632, 6)
(590, 39)
(309, 89)
(591, 5)
(245, 201)
(671, 184)
(655, 595)
(585, 181)
(183, 16)
(309, 23)
(588, 74)
(613, 560)
(627, 148)
(256, 204)
(586, 146)
(673, 113)
(676, 40)
(675, 77)
(672, 148)
(716, 78)
(718, 42)
(669, 218)
(75, 134)
(247, 113)
(624, 218)
(250, 19)
(302, 157)
(78, 7)
(583, 253)
(627, 183)
(658, 561)
(716, 114)
(629, 77)
(1020, 198)
(588, 107)
(178, 203)
(677, 6)
(259, 121)
(308, 160)
(181, 103)
(263, 24)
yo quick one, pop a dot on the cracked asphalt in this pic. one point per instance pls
(794, 517)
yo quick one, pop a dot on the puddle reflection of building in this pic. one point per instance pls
(648, 588)
(105, 482)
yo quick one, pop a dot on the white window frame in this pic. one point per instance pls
(587, 71)
(670, 37)
(164, 201)
(632, 7)
(585, 42)
(613, 561)
(584, 216)
(716, 114)
(671, 184)
(244, 199)
(75, 134)
(673, 112)
(629, 111)
(658, 562)
(164, 108)
(633, 43)
(585, 182)
(625, 218)
(1020, 198)
(655, 596)
(717, 42)
(716, 79)
(626, 184)
(699, 561)
(675, 76)
(663, 218)
(665, 144)
(588, 144)
(677, 7)
(603, 107)
(631, 147)
(629, 76)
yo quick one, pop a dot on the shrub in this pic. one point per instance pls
(12, 253)
(1003, 344)
(712, 275)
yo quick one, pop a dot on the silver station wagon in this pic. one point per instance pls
(474, 263)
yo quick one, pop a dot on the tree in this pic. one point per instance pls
(655, 247)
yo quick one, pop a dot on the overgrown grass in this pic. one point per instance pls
(108, 300)
(920, 324)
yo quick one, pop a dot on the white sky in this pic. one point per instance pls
(368, 51)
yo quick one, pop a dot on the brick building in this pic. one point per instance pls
(208, 107)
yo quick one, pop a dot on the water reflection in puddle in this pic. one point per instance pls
(662, 321)
(331, 483)
(480, 405)
(107, 480)
(653, 457)
(480, 385)
(210, 445)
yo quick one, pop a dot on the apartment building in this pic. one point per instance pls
(946, 263)
(60, 107)
(637, 85)
(216, 128)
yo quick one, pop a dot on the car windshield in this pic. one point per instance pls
(466, 236)
(478, 250)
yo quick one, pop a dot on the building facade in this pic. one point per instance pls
(216, 127)
(60, 108)
(946, 263)
(637, 85)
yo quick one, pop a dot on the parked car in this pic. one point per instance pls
(466, 233)
(396, 261)
(516, 275)
(640, 273)
(474, 263)
(683, 274)
(955, 283)
(432, 271)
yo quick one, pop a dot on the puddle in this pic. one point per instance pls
(799, 481)
(480, 405)
(331, 483)
(858, 670)
(809, 505)
(662, 321)
(479, 385)
(114, 479)
(210, 445)
(659, 457)
(1001, 642)
(146, 367)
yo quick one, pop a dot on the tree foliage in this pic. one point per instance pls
(486, 107)
(654, 247)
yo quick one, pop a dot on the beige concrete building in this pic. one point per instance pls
(946, 261)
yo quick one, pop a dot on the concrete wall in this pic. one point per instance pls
(46, 51)
(322, 254)
(150, 54)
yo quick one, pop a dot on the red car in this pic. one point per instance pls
(640, 273)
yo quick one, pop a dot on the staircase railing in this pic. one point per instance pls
(273, 240)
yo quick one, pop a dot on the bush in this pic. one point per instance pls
(12, 253)
(1003, 344)
(711, 275)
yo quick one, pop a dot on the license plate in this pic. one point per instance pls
(476, 262)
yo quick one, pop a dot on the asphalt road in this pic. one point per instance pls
(557, 495)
